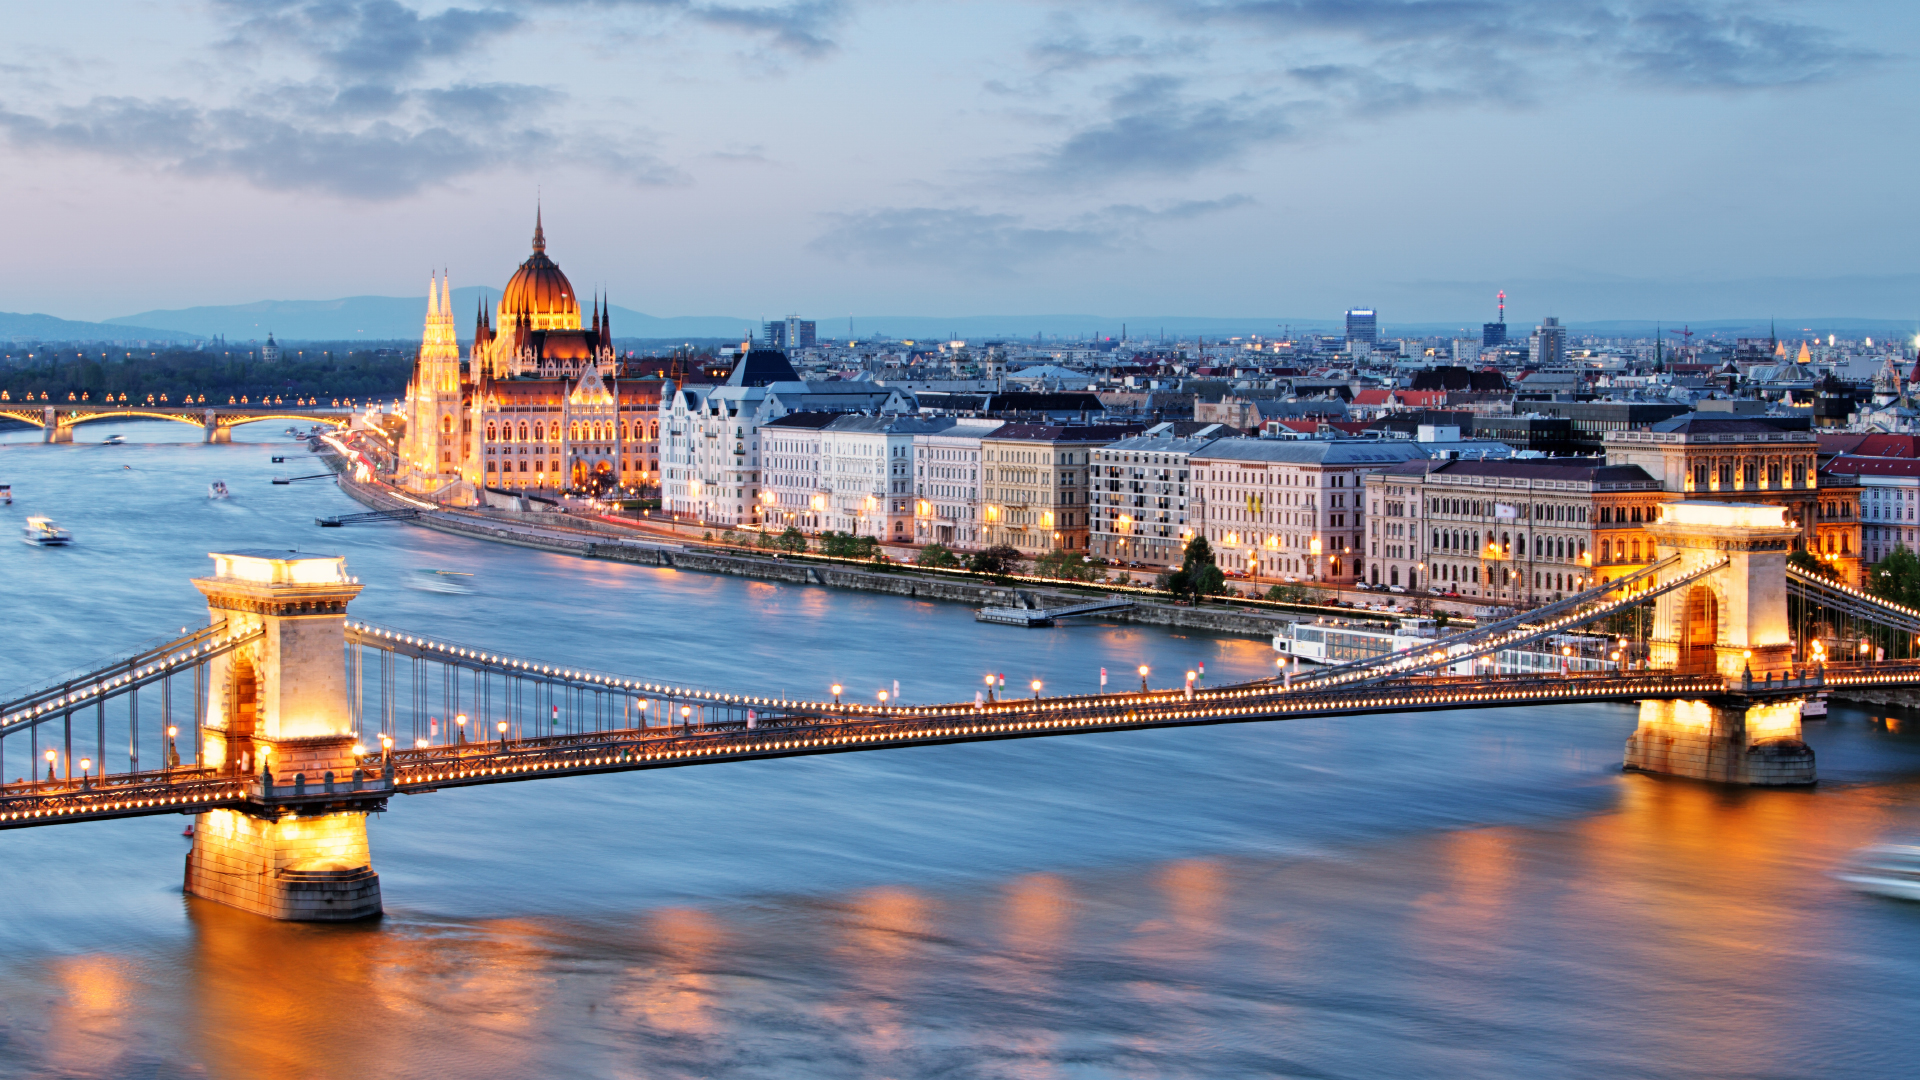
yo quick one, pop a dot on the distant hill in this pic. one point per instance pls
(386, 318)
(16, 327)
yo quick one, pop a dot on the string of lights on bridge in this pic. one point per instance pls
(86, 398)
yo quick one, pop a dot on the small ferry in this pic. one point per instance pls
(6, 494)
(1333, 642)
(42, 532)
(1891, 870)
(113, 440)
(443, 581)
(217, 490)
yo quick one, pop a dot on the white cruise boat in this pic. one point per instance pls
(1338, 643)
(114, 440)
(1886, 870)
(42, 532)
(217, 490)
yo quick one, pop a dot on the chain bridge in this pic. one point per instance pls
(217, 421)
(297, 721)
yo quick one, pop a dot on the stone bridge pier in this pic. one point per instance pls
(1734, 623)
(278, 713)
(216, 432)
(53, 430)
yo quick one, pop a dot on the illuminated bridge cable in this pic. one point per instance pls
(1851, 601)
(1510, 633)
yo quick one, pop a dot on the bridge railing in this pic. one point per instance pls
(111, 692)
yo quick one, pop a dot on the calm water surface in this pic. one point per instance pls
(1467, 894)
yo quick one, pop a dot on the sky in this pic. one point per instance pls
(1286, 158)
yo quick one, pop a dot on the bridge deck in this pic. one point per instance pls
(806, 731)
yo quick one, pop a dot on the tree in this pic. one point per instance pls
(1896, 577)
(1812, 564)
(1198, 577)
(767, 540)
(999, 560)
(936, 555)
(793, 540)
(1070, 566)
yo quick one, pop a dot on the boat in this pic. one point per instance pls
(42, 532)
(278, 460)
(443, 581)
(113, 440)
(1329, 641)
(6, 494)
(1891, 870)
(217, 489)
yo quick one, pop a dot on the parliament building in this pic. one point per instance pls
(540, 403)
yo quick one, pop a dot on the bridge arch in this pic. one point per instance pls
(58, 421)
(1700, 630)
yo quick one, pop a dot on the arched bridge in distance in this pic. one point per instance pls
(217, 421)
(298, 721)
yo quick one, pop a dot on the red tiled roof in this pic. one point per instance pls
(1849, 465)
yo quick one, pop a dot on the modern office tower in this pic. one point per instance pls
(1495, 333)
(1549, 344)
(800, 333)
(773, 335)
(1362, 326)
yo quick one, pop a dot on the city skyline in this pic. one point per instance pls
(1701, 160)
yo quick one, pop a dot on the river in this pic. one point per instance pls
(1477, 893)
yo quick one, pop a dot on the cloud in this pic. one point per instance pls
(368, 124)
(1317, 63)
(973, 241)
(800, 27)
(1153, 129)
(377, 40)
(376, 160)
(1700, 44)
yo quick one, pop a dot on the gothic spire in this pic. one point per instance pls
(539, 233)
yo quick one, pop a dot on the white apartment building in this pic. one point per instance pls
(946, 484)
(1291, 510)
(1141, 494)
(710, 467)
(791, 490)
(866, 469)
(1889, 501)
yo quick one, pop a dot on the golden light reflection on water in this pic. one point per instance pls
(1680, 926)
(676, 993)
(91, 1012)
(881, 943)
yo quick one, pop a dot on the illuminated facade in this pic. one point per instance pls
(1752, 459)
(1142, 493)
(1036, 478)
(541, 403)
(1286, 509)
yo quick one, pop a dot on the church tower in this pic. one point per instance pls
(436, 423)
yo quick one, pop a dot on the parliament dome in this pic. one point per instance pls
(540, 291)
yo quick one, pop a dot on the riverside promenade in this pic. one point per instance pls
(600, 537)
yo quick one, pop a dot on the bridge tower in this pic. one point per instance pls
(53, 430)
(278, 712)
(1734, 623)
